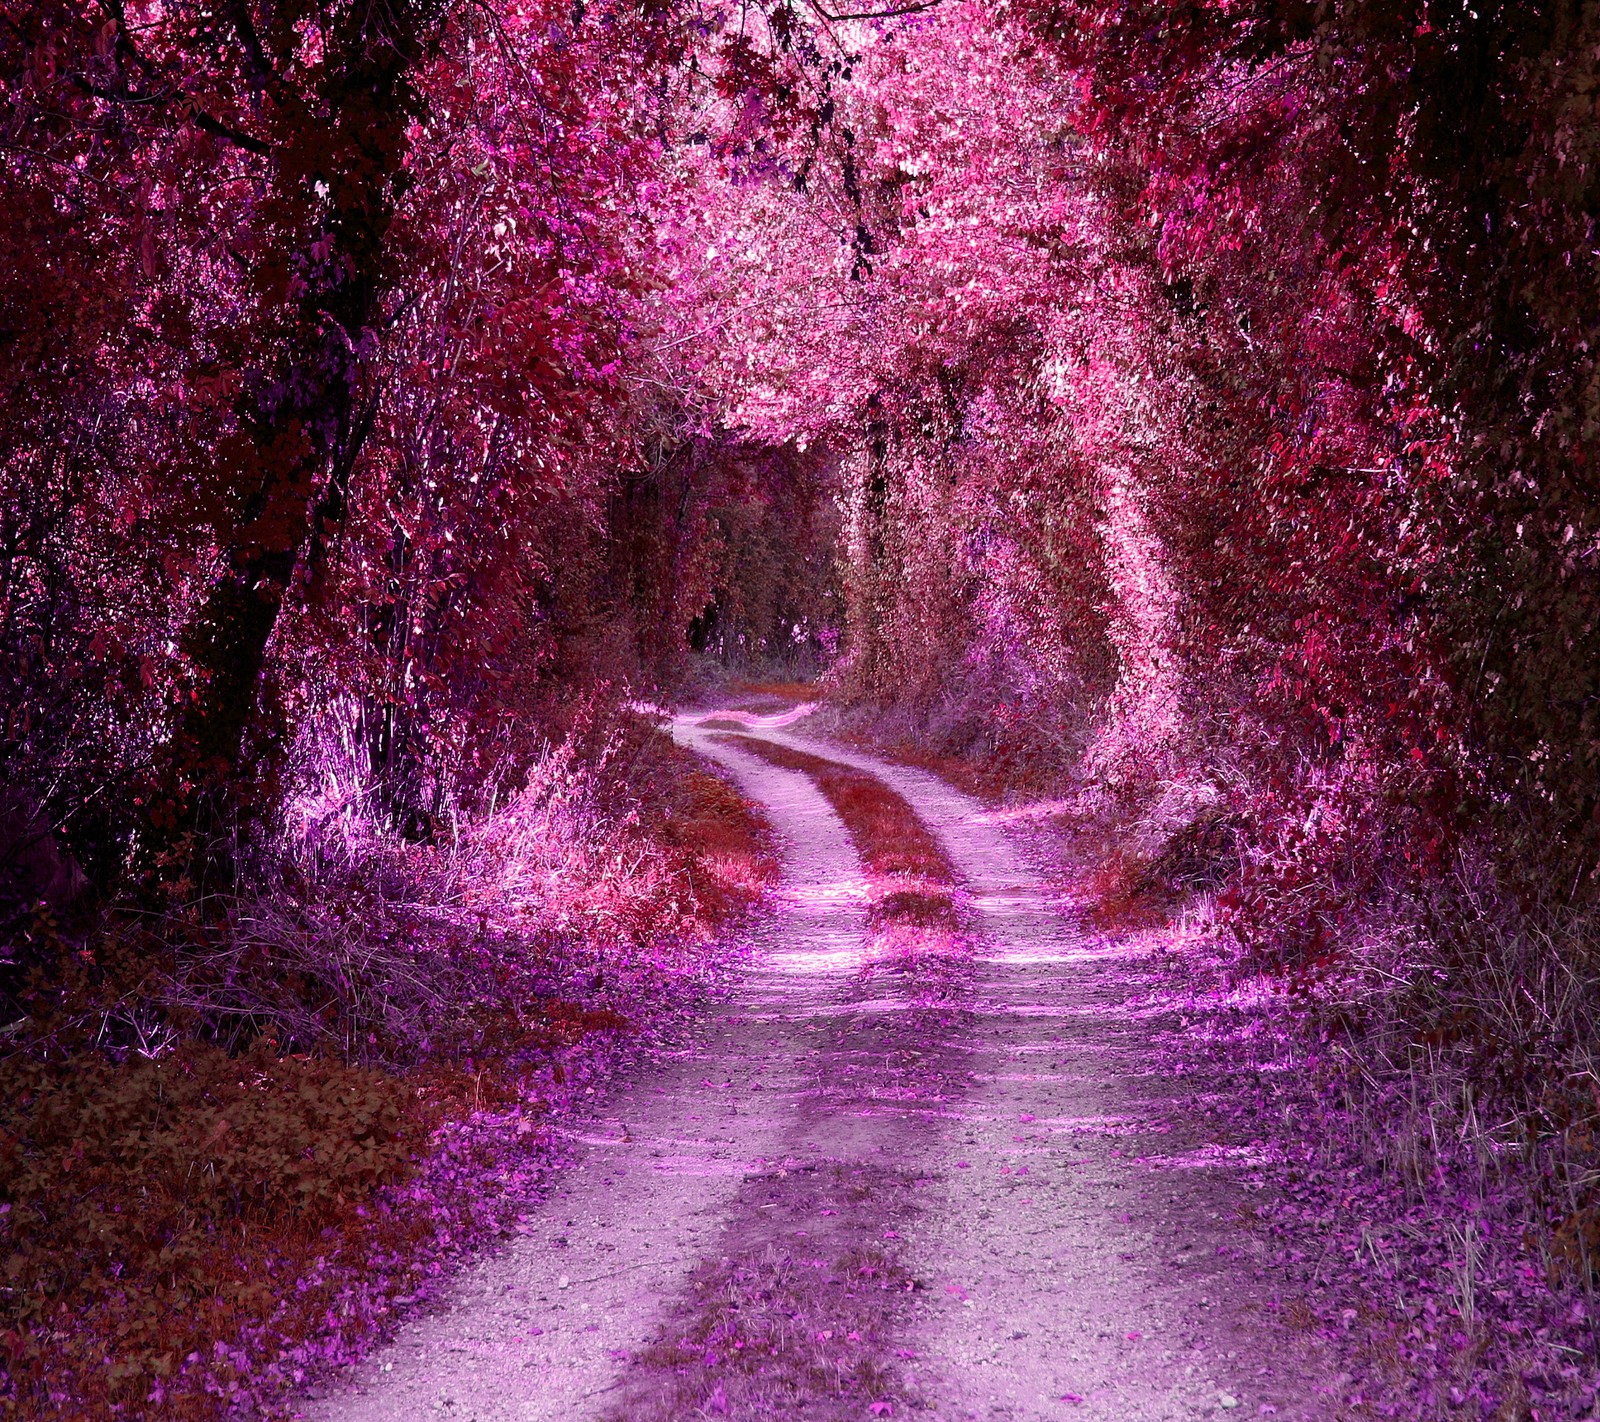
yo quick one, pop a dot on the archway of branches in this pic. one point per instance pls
(1185, 415)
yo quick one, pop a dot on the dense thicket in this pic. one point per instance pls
(1374, 228)
(320, 326)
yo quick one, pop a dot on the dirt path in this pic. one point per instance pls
(1079, 1245)
(1009, 1165)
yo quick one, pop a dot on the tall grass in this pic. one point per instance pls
(1468, 1030)
(231, 1140)
(365, 943)
(1431, 1095)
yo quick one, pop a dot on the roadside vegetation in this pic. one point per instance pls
(236, 1146)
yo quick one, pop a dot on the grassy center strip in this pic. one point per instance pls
(799, 1315)
(919, 924)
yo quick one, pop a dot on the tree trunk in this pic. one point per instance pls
(338, 149)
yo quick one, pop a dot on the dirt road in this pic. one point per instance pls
(985, 1211)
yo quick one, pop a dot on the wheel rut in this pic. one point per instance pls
(852, 1196)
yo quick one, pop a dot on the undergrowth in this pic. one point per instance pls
(236, 1137)
(143, 1198)
(1425, 1102)
(1429, 1130)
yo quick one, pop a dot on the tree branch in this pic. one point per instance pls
(912, 9)
(199, 119)
(261, 71)
(232, 135)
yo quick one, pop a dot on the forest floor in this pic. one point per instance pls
(878, 1186)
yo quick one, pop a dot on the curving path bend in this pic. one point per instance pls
(1077, 1255)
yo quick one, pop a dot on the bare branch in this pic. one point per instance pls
(912, 9)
